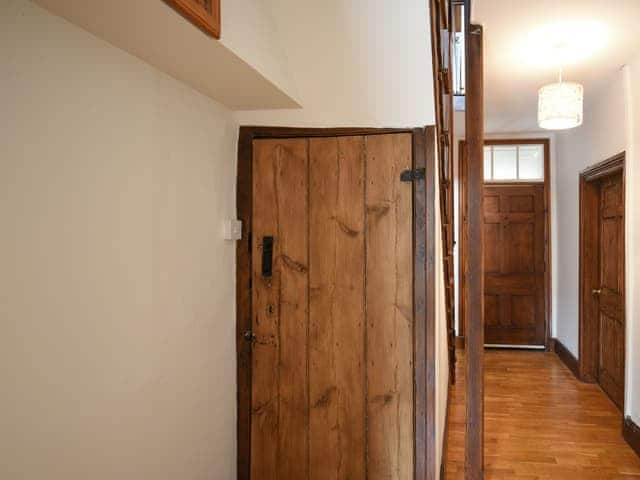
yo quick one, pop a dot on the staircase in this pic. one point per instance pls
(444, 21)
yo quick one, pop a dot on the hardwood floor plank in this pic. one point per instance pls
(540, 423)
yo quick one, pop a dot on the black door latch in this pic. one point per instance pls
(267, 257)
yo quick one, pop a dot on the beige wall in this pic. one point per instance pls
(610, 127)
(596, 140)
(116, 290)
(632, 103)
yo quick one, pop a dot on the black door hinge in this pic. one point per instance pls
(412, 175)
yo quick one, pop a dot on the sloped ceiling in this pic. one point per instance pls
(598, 36)
(244, 70)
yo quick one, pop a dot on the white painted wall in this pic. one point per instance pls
(632, 103)
(611, 126)
(116, 291)
(355, 63)
(601, 136)
(250, 31)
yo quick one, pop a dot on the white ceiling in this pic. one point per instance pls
(521, 39)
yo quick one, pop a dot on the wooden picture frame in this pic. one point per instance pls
(204, 14)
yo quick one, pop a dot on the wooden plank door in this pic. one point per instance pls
(514, 291)
(332, 359)
(610, 294)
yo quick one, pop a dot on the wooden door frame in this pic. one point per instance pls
(547, 227)
(588, 329)
(424, 336)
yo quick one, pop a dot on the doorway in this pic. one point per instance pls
(602, 277)
(335, 310)
(516, 223)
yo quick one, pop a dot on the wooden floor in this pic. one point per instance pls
(540, 423)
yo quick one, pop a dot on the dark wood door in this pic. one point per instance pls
(610, 293)
(514, 264)
(332, 362)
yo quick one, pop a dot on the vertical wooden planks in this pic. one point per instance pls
(280, 311)
(389, 309)
(265, 372)
(333, 355)
(336, 309)
(424, 271)
(292, 207)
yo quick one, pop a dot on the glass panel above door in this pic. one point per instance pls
(505, 163)
(531, 162)
(514, 162)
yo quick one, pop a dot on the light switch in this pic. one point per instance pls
(232, 229)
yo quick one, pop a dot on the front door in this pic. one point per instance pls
(514, 263)
(610, 293)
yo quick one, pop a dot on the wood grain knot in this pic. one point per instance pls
(379, 210)
(325, 399)
(385, 398)
(345, 228)
(262, 408)
(291, 264)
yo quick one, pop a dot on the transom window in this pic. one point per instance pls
(514, 163)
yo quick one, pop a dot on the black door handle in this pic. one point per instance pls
(267, 257)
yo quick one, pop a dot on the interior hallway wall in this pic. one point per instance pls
(601, 136)
(117, 326)
(632, 102)
(611, 126)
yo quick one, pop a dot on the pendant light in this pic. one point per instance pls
(560, 105)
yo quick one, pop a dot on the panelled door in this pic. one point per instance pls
(514, 263)
(332, 301)
(610, 293)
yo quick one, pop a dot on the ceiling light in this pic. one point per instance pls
(560, 105)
